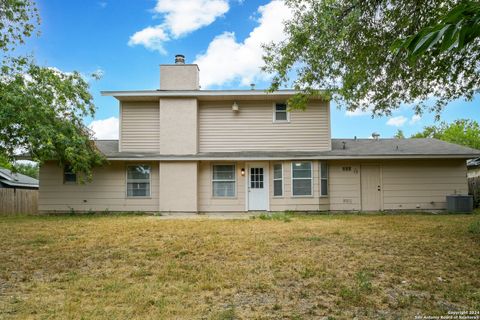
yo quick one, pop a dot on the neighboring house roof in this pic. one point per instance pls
(145, 95)
(17, 179)
(473, 163)
(341, 149)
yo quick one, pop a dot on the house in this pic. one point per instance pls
(11, 180)
(182, 149)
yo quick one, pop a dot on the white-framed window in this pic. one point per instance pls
(323, 178)
(223, 180)
(277, 180)
(138, 181)
(69, 176)
(302, 178)
(280, 113)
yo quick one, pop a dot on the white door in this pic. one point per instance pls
(257, 188)
(371, 188)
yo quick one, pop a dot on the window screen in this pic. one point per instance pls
(223, 180)
(278, 180)
(302, 178)
(281, 113)
(138, 181)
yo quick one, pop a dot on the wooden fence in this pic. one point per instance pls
(474, 190)
(18, 201)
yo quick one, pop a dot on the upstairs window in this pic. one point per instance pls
(223, 181)
(138, 181)
(323, 178)
(280, 113)
(277, 180)
(302, 179)
(68, 175)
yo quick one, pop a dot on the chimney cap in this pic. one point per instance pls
(179, 59)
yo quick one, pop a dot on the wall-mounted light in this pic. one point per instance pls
(235, 106)
(242, 172)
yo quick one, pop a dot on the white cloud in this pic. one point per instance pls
(180, 17)
(415, 118)
(227, 60)
(359, 112)
(397, 121)
(105, 129)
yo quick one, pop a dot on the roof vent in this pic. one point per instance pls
(252, 86)
(375, 135)
(179, 59)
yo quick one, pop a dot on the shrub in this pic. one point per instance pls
(281, 216)
(474, 227)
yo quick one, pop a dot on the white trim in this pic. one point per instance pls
(273, 180)
(311, 180)
(274, 113)
(266, 166)
(234, 164)
(196, 93)
(149, 181)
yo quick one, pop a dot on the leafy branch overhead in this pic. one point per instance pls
(41, 108)
(376, 55)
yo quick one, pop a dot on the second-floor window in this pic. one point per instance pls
(280, 113)
(138, 181)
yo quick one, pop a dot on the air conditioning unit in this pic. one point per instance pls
(459, 203)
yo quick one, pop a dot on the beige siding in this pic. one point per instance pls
(422, 184)
(344, 186)
(140, 127)
(206, 201)
(107, 191)
(405, 184)
(252, 127)
(289, 202)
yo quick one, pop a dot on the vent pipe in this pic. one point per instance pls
(179, 59)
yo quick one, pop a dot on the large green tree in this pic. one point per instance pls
(463, 131)
(347, 47)
(41, 108)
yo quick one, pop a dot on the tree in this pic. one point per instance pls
(41, 108)
(345, 49)
(463, 131)
(399, 134)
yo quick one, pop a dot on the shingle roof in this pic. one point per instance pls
(341, 149)
(17, 179)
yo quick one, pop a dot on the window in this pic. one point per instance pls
(68, 175)
(323, 178)
(277, 180)
(302, 178)
(223, 180)
(138, 181)
(281, 113)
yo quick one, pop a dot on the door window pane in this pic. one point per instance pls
(256, 178)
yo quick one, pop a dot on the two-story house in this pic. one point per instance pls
(182, 149)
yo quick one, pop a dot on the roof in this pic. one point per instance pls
(17, 179)
(341, 149)
(151, 95)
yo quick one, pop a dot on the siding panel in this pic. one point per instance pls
(252, 128)
(140, 126)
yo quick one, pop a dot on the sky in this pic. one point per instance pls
(127, 40)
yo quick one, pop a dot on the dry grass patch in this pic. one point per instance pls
(303, 267)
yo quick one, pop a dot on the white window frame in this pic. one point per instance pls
(149, 181)
(281, 179)
(234, 180)
(311, 180)
(274, 119)
(320, 178)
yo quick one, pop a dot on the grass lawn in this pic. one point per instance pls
(332, 266)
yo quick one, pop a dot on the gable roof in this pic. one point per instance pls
(17, 179)
(341, 149)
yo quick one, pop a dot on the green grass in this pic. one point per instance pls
(325, 266)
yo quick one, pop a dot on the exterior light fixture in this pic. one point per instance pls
(242, 172)
(235, 106)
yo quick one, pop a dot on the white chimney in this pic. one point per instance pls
(179, 76)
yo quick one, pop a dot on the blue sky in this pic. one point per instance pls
(127, 40)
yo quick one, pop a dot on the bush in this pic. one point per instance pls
(474, 227)
(280, 216)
